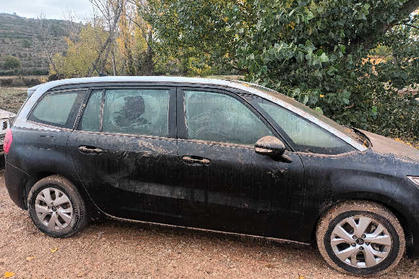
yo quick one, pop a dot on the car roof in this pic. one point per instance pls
(121, 79)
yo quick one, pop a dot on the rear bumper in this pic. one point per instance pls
(16, 180)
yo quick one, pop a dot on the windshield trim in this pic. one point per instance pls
(281, 100)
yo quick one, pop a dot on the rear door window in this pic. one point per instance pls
(128, 111)
(137, 111)
(58, 109)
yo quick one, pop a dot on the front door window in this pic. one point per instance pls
(219, 117)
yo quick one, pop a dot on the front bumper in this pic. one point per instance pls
(16, 180)
(413, 245)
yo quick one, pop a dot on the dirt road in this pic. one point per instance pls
(125, 250)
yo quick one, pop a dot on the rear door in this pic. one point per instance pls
(125, 152)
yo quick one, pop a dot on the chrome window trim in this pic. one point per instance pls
(36, 92)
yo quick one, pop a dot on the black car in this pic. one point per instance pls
(220, 155)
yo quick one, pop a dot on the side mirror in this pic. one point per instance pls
(272, 147)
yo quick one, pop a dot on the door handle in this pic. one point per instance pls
(46, 136)
(195, 160)
(90, 149)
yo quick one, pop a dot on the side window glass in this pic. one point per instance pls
(137, 111)
(307, 136)
(91, 116)
(58, 109)
(219, 117)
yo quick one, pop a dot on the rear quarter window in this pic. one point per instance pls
(58, 109)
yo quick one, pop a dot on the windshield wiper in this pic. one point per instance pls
(364, 138)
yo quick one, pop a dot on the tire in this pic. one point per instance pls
(361, 244)
(56, 207)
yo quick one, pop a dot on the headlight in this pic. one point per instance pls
(414, 179)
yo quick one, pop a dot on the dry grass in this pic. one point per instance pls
(42, 78)
(12, 98)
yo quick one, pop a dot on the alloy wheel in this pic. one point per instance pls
(54, 208)
(360, 241)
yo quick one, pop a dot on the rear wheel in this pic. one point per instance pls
(361, 238)
(56, 207)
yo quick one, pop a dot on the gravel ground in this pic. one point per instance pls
(114, 249)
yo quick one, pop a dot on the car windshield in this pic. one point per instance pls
(354, 134)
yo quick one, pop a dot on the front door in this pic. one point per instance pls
(125, 153)
(243, 191)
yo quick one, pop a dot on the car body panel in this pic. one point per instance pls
(38, 150)
(243, 191)
(133, 178)
(360, 176)
(386, 146)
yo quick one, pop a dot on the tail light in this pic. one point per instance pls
(7, 141)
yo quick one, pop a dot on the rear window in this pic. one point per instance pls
(58, 109)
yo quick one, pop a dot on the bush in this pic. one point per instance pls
(11, 63)
(26, 44)
(6, 82)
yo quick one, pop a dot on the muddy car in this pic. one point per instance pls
(213, 154)
(5, 120)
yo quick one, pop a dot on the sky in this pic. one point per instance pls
(56, 9)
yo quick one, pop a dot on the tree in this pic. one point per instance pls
(111, 11)
(81, 53)
(118, 41)
(314, 51)
(46, 40)
(11, 63)
(135, 40)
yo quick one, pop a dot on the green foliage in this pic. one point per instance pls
(315, 51)
(26, 44)
(197, 34)
(11, 63)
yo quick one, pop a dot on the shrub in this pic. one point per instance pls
(11, 63)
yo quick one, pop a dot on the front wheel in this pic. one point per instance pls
(361, 238)
(56, 207)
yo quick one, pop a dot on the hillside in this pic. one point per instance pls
(32, 41)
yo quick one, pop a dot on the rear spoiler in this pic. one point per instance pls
(32, 90)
